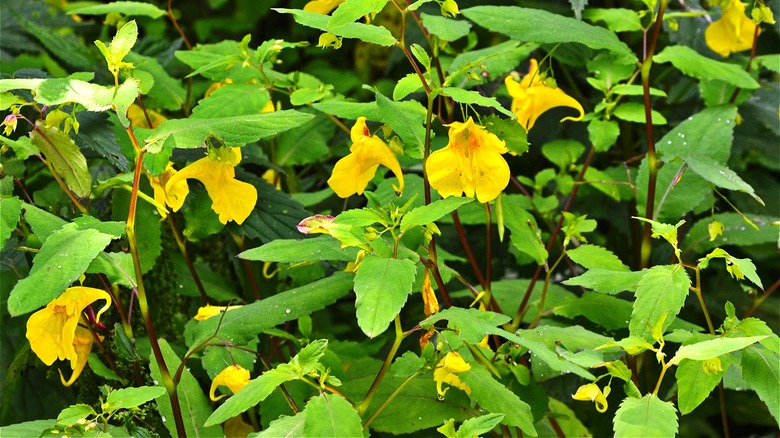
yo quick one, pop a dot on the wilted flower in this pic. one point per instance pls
(471, 163)
(534, 95)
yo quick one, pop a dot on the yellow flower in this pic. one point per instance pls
(591, 392)
(10, 123)
(447, 371)
(732, 32)
(209, 311)
(532, 96)
(471, 163)
(232, 200)
(322, 6)
(159, 183)
(353, 172)
(138, 119)
(54, 331)
(235, 377)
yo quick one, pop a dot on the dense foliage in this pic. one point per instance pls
(431, 217)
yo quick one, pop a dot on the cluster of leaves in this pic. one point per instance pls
(640, 239)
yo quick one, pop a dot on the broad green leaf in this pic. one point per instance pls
(148, 229)
(127, 398)
(72, 414)
(495, 61)
(66, 48)
(365, 32)
(738, 268)
(167, 92)
(407, 85)
(27, 428)
(306, 144)
(65, 157)
(522, 227)
(64, 256)
(591, 305)
(352, 10)
(616, 19)
(330, 415)
(122, 43)
(444, 28)
(261, 387)
(563, 153)
(241, 325)
(603, 133)
(275, 215)
(635, 112)
(370, 110)
(126, 8)
(96, 133)
(408, 125)
(23, 147)
(720, 175)
(566, 421)
(478, 425)
(194, 404)
(233, 130)
(594, 256)
(607, 281)
(736, 232)
(382, 286)
(471, 324)
(494, 397)
(91, 96)
(660, 295)
(645, 417)
(284, 426)
(200, 221)
(713, 348)
(406, 365)
(301, 250)
(539, 26)
(516, 140)
(10, 213)
(695, 381)
(431, 212)
(471, 97)
(232, 100)
(43, 223)
(693, 64)
(635, 90)
(761, 369)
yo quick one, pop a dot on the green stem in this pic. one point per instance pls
(399, 336)
(652, 160)
(183, 250)
(143, 304)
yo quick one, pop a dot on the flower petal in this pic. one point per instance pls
(733, 32)
(82, 343)
(235, 377)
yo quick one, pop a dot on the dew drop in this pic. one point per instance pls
(164, 419)
(287, 310)
(181, 286)
(59, 266)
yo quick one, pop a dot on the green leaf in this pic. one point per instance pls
(645, 417)
(406, 365)
(64, 256)
(635, 112)
(287, 426)
(713, 348)
(123, 42)
(194, 405)
(408, 125)
(635, 90)
(382, 286)
(660, 295)
(27, 428)
(479, 425)
(72, 414)
(761, 369)
(148, 228)
(352, 10)
(120, 7)
(603, 134)
(563, 153)
(523, 229)
(97, 134)
(275, 215)
(539, 26)
(306, 144)
(241, 325)
(200, 221)
(432, 212)
(65, 157)
(232, 100)
(720, 176)
(233, 130)
(594, 256)
(471, 97)
(496, 398)
(591, 305)
(695, 383)
(68, 48)
(23, 147)
(516, 140)
(407, 85)
(127, 398)
(330, 415)
(616, 19)
(472, 324)
(365, 32)
(736, 232)
(167, 92)
(319, 248)
(444, 28)
(10, 213)
(698, 66)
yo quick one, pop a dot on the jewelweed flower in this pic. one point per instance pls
(471, 163)
(138, 119)
(235, 377)
(54, 331)
(732, 32)
(209, 311)
(447, 371)
(591, 392)
(159, 184)
(232, 200)
(430, 306)
(534, 95)
(10, 123)
(322, 6)
(352, 173)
